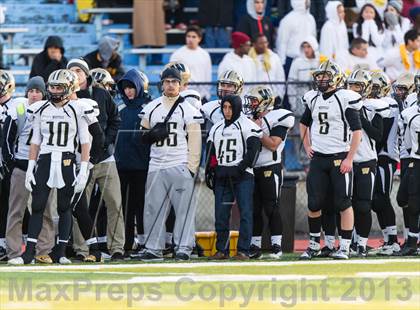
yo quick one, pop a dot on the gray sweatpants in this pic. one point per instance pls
(166, 188)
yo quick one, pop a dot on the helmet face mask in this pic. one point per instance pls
(403, 86)
(63, 79)
(56, 97)
(381, 85)
(327, 76)
(360, 81)
(260, 99)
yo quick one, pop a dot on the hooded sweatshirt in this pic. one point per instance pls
(104, 57)
(130, 153)
(301, 70)
(334, 36)
(294, 27)
(249, 23)
(43, 65)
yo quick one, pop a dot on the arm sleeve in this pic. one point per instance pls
(253, 148)
(386, 129)
(306, 117)
(373, 128)
(98, 139)
(279, 131)
(194, 146)
(9, 139)
(353, 119)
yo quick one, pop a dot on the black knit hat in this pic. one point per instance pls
(171, 73)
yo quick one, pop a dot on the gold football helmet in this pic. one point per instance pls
(328, 75)
(381, 84)
(230, 77)
(182, 68)
(363, 79)
(417, 81)
(101, 78)
(64, 78)
(75, 82)
(258, 100)
(7, 83)
(403, 86)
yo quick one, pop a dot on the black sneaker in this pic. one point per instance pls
(150, 257)
(325, 252)
(353, 250)
(169, 251)
(77, 258)
(255, 252)
(117, 256)
(182, 257)
(309, 254)
(197, 251)
(361, 251)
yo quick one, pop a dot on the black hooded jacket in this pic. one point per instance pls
(43, 65)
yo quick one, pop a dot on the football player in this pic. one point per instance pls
(235, 141)
(268, 170)
(7, 88)
(103, 79)
(331, 131)
(57, 126)
(409, 191)
(364, 167)
(167, 122)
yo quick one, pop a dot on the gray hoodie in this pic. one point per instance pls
(107, 45)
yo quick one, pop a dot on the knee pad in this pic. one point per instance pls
(342, 203)
(380, 201)
(362, 206)
(314, 204)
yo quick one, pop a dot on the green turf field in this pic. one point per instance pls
(319, 284)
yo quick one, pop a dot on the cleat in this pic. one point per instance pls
(361, 251)
(276, 252)
(340, 254)
(326, 252)
(15, 261)
(309, 254)
(150, 257)
(255, 252)
(389, 249)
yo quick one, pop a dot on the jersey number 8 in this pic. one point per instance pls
(324, 126)
(171, 140)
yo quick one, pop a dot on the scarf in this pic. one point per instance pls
(405, 60)
(266, 58)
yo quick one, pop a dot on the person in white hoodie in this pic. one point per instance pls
(334, 37)
(294, 27)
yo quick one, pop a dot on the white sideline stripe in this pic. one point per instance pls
(385, 274)
(207, 278)
(209, 264)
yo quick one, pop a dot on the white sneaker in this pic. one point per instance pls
(340, 254)
(64, 261)
(276, 252)
(389, 249)
(15, 261)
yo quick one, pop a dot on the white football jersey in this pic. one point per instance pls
(192, 97)
(230, 142)
(173, 151)
(19, 115)
(330, 132)
(367, 149)
(212, 111)
(60, 129)
(391, 147)
(271, 120)
(410, 100)
(411, 119)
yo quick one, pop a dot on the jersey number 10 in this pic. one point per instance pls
(62, 130)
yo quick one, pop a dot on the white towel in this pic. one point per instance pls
(56, 176)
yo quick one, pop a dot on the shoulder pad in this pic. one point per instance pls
(281, 117)
(411, 100)
(379, 106)
(309, 97)
(352, 99)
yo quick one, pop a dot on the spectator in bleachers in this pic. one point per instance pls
(174, 14)
(334, 36)
(50, 59)
(255, 23)
(268, 66)
(216, 17)
(197, 60)
(107, 57)
(238, 60)
(149, 23)
(370, 28)
(301, 71)
(403, 58)
(294, 27)
(415, 17)
(395, 25)
(379, 6)
(131, 155)
(357, 57)
(318, 12)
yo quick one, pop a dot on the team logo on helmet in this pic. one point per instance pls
(259, 100)
(230, 77)
(381, 84)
